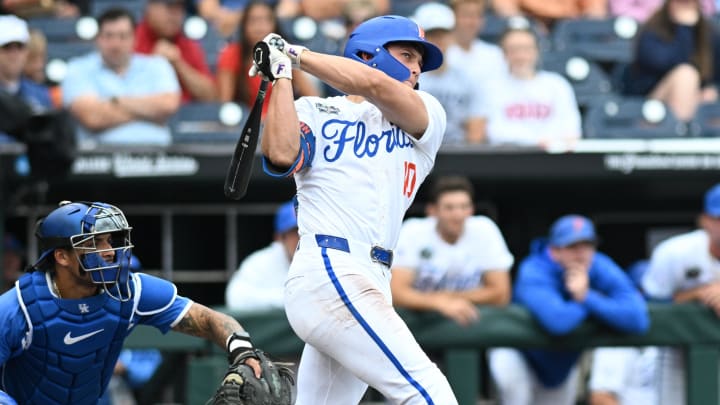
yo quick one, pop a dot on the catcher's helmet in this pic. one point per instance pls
(374, 34)
(74, 226)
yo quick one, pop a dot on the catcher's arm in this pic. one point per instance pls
(220, 328)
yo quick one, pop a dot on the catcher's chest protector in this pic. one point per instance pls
(73, 346)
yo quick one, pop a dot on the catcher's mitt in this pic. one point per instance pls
(241, 387)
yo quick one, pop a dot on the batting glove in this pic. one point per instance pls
(270, 63)
(292, 51)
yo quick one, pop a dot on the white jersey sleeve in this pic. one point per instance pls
(494, 253)
(437, 123)
(680, 263)
(659, 279)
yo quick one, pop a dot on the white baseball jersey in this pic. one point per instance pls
(680, 263)
(628, 372)
(522, 112)
(362, 173)
(365, 172)
(439, 265)
(259, 282)
(462, 101)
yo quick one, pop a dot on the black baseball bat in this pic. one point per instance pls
(240, 169)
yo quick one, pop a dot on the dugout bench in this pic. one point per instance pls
(690, 326)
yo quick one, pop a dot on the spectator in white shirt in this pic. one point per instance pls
(530, 107)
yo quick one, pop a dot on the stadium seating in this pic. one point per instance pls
(203, 123)
(620, 117)
(602, 40)
(66, 50)
(56, 29)
(494, 26)
(135, 7)
(707, 120)
(588, 79)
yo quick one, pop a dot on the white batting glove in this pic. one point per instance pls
(292, 51)
(270, 63)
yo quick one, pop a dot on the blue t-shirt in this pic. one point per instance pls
(146, 75)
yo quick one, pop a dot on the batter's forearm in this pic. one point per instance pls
(206, 323)
(346, 75)
(280, 141)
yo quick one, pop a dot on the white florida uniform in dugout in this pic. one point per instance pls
(460, 266)
(357, 178)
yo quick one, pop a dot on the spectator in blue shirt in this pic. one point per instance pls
(562, 283)
(118, 96)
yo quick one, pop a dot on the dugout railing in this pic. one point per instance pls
(689, 326)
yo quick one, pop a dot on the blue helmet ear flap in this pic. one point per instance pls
(383, 60)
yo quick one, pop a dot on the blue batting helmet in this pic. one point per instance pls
(373, 35)
(75, 226)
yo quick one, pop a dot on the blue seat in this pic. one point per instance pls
(707, 120)
(67, 50)
(494, 26)
(212, 43)
(622, 118)
(56, 29)
(200, 123)
(595, 39)
(135, 7)
(589, 87)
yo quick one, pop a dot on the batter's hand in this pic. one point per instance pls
(291, 51)
(270, 63)
(458, 309)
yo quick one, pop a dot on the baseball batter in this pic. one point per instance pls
(357, 161)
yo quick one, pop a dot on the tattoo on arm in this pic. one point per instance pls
(203, 322)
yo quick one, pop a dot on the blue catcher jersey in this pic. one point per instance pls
(63, 351)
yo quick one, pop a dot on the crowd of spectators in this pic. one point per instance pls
(493, 83)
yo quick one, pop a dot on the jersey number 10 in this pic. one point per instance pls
(410, 178)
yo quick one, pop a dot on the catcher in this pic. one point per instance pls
(65, 320)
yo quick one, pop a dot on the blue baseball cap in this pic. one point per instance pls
(571, 229)
(712, 201)
(285, 218)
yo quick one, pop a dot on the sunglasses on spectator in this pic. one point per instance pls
(13, 45)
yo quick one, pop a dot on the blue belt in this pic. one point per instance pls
(377, 254)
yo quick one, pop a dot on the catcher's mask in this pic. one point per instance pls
(77, 226)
